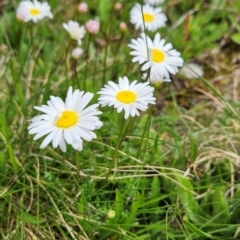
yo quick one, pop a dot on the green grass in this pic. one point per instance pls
(176, 173)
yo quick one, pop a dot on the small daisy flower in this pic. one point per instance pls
(153, 18)
(128, 97)
(153, 2)
(161, 58)
(76, 31)
(34, 11)
(20, 15)
(191, 70)
(155, 78)
(93, 26)
(66, 122)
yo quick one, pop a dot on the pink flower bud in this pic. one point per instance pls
(117, 6)
(77, 53)
(123, 27)
(93, 26)
(83, 7)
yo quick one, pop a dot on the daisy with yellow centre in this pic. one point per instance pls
(67, 119)
(66, 122)
(130, 97)
(74, 29)
(33, 10)
(126, 97)
(147, 15)
(156, 55)
(160, 58)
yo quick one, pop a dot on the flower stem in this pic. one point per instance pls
(87, 60)
(146, 128)
(77, 164)
(75, 73)
(108, 39)
(119, 141)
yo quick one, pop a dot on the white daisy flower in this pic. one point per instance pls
(128, 97)
(153, 2)
(161, 58)
(34, 11)
(76, 31)
(155, 78)
(153, 17)
(67, 122)
(191, 70)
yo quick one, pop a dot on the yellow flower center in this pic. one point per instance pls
(157, 55)
(126, 97)
(67, 119)
(34, 11)
(148, 17)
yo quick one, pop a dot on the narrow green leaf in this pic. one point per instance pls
(187, 198)
(29, 218)
(137, 200)
(104, 7)
(155, 192)
(236, 38)
(198, 232)
(220, 207)
(5, 138)
(155, 189)
(118, 206)
(193, 148)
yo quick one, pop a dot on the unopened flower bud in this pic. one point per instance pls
(83, 7)
(117, 6)
(77, 53)
(123, 27)
(93, 26)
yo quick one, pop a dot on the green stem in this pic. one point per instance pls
(78, 165)
(146, 127)
(87, 59)
(74, 67)
(119, 141)
(67, 63)
(105, 63)
(108, 39)
(116, 55)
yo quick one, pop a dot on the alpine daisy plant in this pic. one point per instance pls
(66, 122)
(35, 11)
(160, 58)
(127, 96)
(148, 16)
